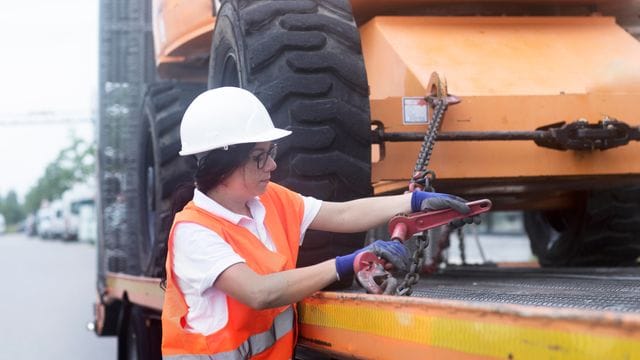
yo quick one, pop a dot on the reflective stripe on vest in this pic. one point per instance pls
(254, 345)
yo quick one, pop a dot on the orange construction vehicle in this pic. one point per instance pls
(531, 103)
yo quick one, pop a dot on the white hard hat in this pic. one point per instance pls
(225, 116)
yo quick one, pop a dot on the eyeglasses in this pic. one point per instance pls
(261, 158)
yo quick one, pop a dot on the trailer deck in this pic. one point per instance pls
(593, 289)
(478, 312)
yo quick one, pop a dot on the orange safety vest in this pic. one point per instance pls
(249, 333)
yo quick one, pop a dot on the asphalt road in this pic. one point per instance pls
(48, 288)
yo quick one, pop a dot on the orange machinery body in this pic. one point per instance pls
(512, 73)
(182, 34)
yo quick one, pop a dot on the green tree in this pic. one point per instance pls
(73, 164)
(11, 209)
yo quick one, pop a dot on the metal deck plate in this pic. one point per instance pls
(596, 289)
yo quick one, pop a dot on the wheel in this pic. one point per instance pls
(304, 61)
(160, 169)
(603, 231)
(140, 335)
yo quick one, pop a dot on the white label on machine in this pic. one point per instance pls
(415, 110)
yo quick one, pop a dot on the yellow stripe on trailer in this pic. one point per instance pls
(385, 327)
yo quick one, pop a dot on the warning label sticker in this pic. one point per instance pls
(415, 111)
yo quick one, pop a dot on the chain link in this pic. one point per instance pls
(417, 261)
(461, 246)
(423, 177)
(420, 169)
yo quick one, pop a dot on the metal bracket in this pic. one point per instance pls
(580, 135)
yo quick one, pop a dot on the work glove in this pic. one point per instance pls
(392, 251)
(423, 200)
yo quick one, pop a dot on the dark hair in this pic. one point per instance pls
(211, 169)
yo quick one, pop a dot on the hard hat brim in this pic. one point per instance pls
(272, 134)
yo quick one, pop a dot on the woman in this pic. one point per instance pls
(232, 250)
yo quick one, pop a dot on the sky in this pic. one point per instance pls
(48, 67)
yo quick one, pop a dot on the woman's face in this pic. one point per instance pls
(252, 178)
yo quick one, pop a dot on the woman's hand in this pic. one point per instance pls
(423, 200)
(392, 251)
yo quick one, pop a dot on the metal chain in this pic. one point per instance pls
(421, 173)
(423, 177)
(440, 106)
(417, 261)
(461, 246)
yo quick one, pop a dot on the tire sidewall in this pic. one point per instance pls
(225, 41)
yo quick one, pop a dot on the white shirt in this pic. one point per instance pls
(201, 255)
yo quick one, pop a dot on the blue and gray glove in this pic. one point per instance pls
(392, 251)
(423, 200)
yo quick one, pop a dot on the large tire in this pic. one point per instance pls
(140, 334)
(304, 61)
(603, 231)
(160, 168)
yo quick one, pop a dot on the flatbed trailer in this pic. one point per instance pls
(465, 312)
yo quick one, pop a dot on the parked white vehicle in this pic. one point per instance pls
(88, 226)
(31, 225)
(57, 226)
(74, 200)
(3, 226)
(43, 221)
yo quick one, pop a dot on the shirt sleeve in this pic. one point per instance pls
(311, 209)
(200, 256)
